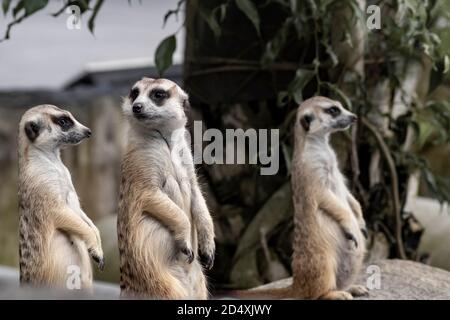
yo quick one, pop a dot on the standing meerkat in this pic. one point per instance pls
(330, 230)
(163, 219)
(329, 227)
(56, 236)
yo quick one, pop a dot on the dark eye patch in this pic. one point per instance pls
(65, 122)
(134, 93)
(333, 111)
(158, 95)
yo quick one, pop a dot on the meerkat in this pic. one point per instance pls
(165, 230)
(329, 228)
(56, 236)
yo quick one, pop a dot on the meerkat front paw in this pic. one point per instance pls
(207, 253)
(97, 234)
(96, 251)
(186, 249)
(97, 256)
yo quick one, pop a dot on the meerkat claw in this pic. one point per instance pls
(101, 264)
(364, 232)
(207, 261)
(99, 260)
(189, 254)
(351, 237)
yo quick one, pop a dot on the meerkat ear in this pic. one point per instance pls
(186, 106)
(306, 120)
(32, 130)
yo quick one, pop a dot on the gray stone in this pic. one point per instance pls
(400, 280)
(10, 289)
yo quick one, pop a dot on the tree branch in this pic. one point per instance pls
(394, 186)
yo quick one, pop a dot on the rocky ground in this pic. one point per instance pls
(399, 280)
(389, 279)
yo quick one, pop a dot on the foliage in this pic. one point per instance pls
(25, 8)
(411, 33)
(164, 53)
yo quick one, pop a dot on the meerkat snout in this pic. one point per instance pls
(321, 116)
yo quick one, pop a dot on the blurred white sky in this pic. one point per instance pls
(43, 53)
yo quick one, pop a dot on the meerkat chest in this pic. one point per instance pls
(67, 190)
(62, 186)
(325, 165)
(177, 184)
(336, 182)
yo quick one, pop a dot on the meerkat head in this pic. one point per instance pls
(321, 116)
(49, 127)
(156, 104)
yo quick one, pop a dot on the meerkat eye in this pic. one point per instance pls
(333, 110)
(134, 93)
(158, 95)
(64, 122)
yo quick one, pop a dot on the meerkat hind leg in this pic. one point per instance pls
(337, 295)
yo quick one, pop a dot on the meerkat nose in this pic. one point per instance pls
(137, 108)
(88, 133)
(353, 118)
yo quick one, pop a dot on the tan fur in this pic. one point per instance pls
(54, 232)
(163, 221)
(328, 241)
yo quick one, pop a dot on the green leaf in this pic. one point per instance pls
(340, 94)
(91, 22)
(333, 57)
(223, 11)
(282, 98)
(32, 6)
(301, 79)
(210, 18)
(249, 9)
(446, 64)
(426, 129)
(18, 8)
(5, 6)
(164, 53)
(432, 124)
(277, 43)
(83, 4)
(437, 73)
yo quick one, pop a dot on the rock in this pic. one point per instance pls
(397, 280)
(245, 271)
(10, 290)
(435, 218)
(390, 279)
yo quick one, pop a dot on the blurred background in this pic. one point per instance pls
(246, 64)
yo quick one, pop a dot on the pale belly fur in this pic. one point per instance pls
(70, 262)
